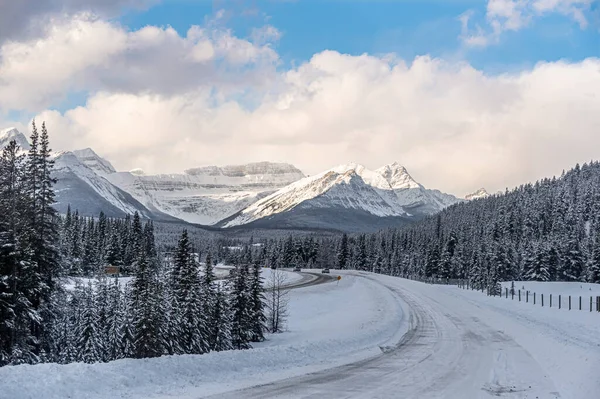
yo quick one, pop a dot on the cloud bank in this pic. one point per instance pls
(166, 102)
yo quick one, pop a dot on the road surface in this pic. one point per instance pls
(446, 353)
(309, 279)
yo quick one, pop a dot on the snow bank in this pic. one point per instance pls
(329, 324)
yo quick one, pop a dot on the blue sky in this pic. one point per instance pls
(405, 27)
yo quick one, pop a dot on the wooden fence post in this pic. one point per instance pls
(579, 302)
(542, 300)
(590, 303)
(519, 295)
(527, 296)
(550, 300)
(534, 298)
(506, 289)
(559, 301)
(569, 302)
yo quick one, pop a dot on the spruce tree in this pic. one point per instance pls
(256, 304)
(240, 325)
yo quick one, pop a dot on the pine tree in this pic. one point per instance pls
(593, 272)
(147, 339)
(188, 294)
(220, 337)
(256, 304)
(114, 323)
(240, 324)
(88, 335)
(14, 306)
(342, 255)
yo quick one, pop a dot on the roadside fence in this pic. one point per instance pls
(568, 302)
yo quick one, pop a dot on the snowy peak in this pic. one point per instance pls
(481, 193)
(95, 162)
(389, 191)
(397, 176)
(7, 135)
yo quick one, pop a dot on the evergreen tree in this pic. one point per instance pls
(89, 348)
(241, 319)
(256, 304)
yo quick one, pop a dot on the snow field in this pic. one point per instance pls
(565, 343)
(574, 289)
(329, 325)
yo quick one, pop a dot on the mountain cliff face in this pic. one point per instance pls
(209, 194)
(350, 194)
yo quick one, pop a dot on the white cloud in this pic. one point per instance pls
(265, 34)
(91, 54)
(21, 19)
(514, 15)
(454, 127)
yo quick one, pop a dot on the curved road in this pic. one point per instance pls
(446, 353)
(309, 279)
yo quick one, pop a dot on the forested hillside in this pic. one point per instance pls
(547, 231)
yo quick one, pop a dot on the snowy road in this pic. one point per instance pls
(366, 336)
(448, 352)
(309, 279)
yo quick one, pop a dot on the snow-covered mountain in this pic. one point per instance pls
(481, 193)
(351, 194)
(7, 135)
(348, 197)
(84, 189)
(209, 194)
(93, 161)
(81, 185)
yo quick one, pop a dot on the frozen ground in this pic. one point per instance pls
(556, 288)
(368, 336)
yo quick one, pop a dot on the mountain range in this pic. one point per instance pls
(258, 195)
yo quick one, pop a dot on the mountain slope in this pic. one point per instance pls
(80, 187)
(343, 196)
(93, 161)
(7, 135)
(209, 194)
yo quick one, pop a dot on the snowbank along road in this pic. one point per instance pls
(459, 346)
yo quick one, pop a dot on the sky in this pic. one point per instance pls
(463, 93)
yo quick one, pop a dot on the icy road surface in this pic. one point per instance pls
(463, 344)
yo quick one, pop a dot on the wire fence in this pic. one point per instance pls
(568, 302)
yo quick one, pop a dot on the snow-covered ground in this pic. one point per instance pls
(368, 336)
(221, 271)
(329, 324)
(555, 288)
